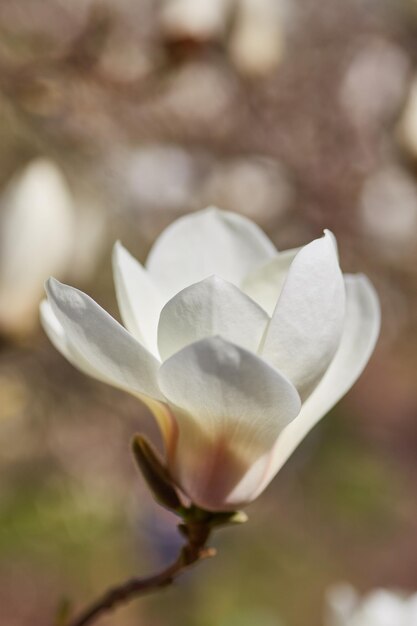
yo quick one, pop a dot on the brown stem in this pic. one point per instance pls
(193, 552)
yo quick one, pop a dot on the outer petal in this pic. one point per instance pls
(205, 243)
(360, 333)
(230, 406)
(307, 323)
(210, 307)
(57, 337)
(264, 284)
(102, 342)
(140, 302)
(93, 341)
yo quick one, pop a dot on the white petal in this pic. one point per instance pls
(204, 243)
(102, 342)
(57, 337)
(333, 240)
(307, 323)
(210, 307)
(360, 333)
(264, 284)
(230, 407)
(139, 300)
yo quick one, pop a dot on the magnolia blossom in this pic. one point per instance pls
(237, 349)
(36, 228)
(378, 608)
(44, 229)
(254, 28)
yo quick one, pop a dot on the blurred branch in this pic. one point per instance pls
(193, 551)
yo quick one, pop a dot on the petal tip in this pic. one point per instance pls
(50, 285)
(118, 251)
(212, 208)
(45, 311)
(330, 237)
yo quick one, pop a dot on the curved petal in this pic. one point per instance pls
(210, 307)
(264, 284)
(307, 323)
(102, 342)
(230, 406)
(62, 343)
(205, 243)
(57, 337)
(360, 333)
(139, 300)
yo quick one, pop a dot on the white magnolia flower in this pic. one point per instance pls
(44, 229)
(196, 18)
(237, 349)
(378, 608)
(36, 233)
(255, 28)
(257, 41)
(407, 126)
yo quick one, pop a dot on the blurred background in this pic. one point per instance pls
(115, 119)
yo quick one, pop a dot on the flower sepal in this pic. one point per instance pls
(156, 475)
(198, 525)
(164, 492)
(194, 515)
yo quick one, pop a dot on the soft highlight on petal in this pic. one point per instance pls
(102, 342)
(57, 337)
(139, 300)
(204, 243)
(80, 355)
(208, 308)
(264, 284)
(307, 323)
(360, 333)
(37, 237)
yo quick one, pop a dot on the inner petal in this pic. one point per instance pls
(208, 308)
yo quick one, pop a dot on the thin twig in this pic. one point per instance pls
(193, 552)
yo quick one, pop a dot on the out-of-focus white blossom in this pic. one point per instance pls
(378, 608)
(407, 128)
(199, 93)
(195, 19)
(41, 231)
(388, 212)
(238, 350)
(258, 39)
(260, 187)
(375, 83)
(160, 175)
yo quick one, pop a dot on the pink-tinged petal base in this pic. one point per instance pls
(230, 407)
